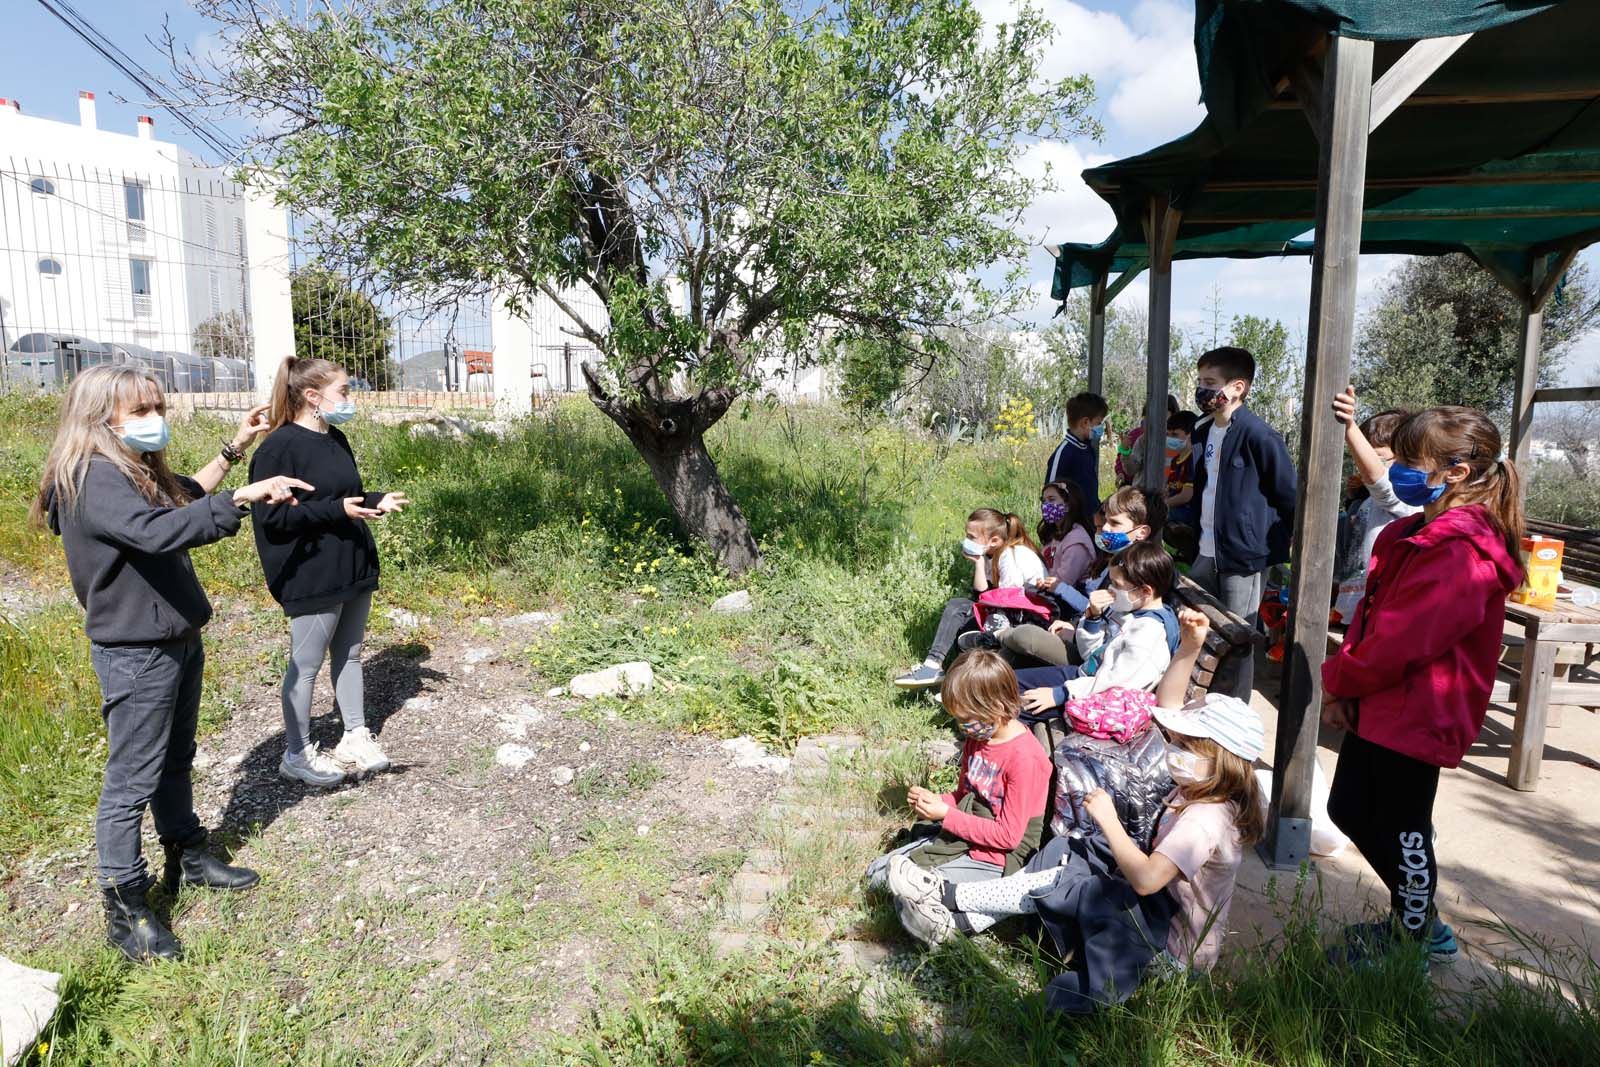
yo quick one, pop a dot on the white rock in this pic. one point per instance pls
(558, 691)
(479, 654)
(532, 618)
(418, 704)
(513, 756)
(583, 747)
(750, 755)
(735, 603)
(406, 620)
(28, 1000)
(643, 829)
(625, 679)
(563, 775)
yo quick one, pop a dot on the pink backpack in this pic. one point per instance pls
(1114, 714)
(1017, 605)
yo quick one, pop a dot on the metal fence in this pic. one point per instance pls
(139, 265)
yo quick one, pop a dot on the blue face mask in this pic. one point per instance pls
(149, 434)
(1176, 445)
(341, 413)
(971, 548)
(1411, 485)
(1112, 540)
(1097, 433)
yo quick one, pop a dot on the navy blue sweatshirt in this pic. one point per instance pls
(1254, 513)
(1077, 462)
(313, 554)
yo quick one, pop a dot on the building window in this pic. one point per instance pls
(50, 268)
(133, 194)
(139, 283)
(43, 186)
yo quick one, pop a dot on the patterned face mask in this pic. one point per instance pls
(1052, 511)
(978, 731)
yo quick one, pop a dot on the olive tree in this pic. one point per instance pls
(734, 179)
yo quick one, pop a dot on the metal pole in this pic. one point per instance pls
(1341, 181)
(1097, 336)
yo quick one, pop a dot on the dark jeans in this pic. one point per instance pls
(956, 619)
(1044, 678)
(1384, 802)
(151, 704)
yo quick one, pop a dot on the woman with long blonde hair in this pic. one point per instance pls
(321, 564)
(127, 523)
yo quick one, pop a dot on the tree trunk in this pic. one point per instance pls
(669, 433)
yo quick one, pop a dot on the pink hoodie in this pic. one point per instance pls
(1420, 656)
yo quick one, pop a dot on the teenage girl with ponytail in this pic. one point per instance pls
(1411, 684)
(321, 563)
(1003, 557)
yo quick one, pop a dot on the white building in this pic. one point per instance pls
(113, 237)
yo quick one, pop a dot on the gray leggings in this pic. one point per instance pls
(337, 632)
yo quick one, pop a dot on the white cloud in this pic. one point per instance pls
(1072, 211)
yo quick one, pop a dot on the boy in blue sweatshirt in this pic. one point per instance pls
(1244, 481)
(1077, 458)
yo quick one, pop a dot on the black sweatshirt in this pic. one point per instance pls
(129, 561)
(314, 555)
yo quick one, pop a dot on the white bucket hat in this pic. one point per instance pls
(1228, 721)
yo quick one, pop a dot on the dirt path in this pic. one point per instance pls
(451, 863)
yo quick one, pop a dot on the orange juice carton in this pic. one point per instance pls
(1541, 559)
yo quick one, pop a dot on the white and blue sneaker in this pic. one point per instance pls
(921, 676)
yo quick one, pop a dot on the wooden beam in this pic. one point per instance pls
(1411, 215)
(1097, 335)
(1342, 167)
(1161, 234)
(1305, 78)
(1457, 99)
(1424, 181)
(1124, 279)
(1509, 279)
(1531, 340)
(1403, 79)
(1568, 395)
(1553, 273)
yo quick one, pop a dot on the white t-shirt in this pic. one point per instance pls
(1208, 499)
(1018, 565)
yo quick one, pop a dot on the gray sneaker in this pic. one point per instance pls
(921, 676)
(912, 883)
(928, 921)
(312, 767)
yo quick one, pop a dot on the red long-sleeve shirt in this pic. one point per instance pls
(1013, 778)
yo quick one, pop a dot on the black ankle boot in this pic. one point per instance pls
(191, 864)
(134, 928)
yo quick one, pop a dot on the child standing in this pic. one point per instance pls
(1410, 686)
(1180, 467)
(1246, 485)
(127, 524)
(321, 563)
(1214, 812)
(1077, 458)
(992, 823)
(1002, 557)
(1147, 632)
(1370, 447)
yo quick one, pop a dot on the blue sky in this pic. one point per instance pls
(1138, 51)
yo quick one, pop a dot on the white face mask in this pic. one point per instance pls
(1187, 768)
(1122, 601)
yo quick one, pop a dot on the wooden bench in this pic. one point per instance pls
(1228, 641)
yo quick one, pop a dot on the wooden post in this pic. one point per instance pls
(1097, 335)
(1161, 230)
(1341, 180)
(1527, 380)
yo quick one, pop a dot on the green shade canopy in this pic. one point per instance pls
(1497, 154)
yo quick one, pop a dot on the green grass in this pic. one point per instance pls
(858, 523)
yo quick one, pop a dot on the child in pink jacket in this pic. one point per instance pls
(1411, 684)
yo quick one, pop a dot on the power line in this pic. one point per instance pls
(130, 68)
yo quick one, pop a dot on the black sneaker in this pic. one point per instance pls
(921, 676)
(976, 639)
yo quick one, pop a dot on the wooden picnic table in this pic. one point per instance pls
(1545, 631)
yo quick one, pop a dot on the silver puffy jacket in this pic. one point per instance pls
(1134, 773)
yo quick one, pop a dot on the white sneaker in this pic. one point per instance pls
(910, 882)
(311, 767)
(358, 747)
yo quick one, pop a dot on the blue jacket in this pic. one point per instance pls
(1077, 462)
(1255, 495)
